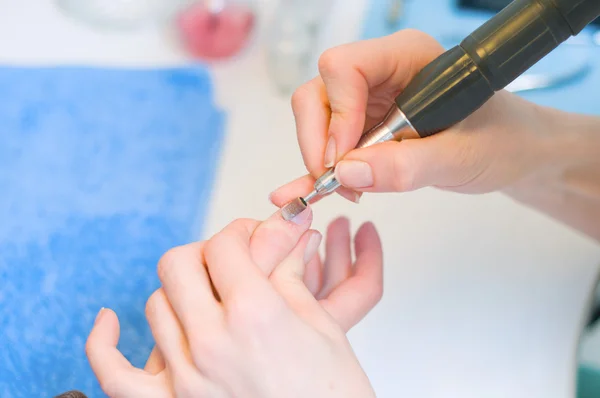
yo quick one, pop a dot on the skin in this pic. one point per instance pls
(543, 157)
(253, 311)
(271, 299)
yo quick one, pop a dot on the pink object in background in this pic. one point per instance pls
(215, 35)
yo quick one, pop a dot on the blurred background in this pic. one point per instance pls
(131, 126)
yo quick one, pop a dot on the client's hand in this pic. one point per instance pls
(237, 316)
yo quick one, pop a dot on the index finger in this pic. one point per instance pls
(239, 257)
(335, 104)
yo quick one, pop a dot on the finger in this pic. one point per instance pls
(230, 264)
(338, 256)
(186, 282)
(117, 377)
(275, 238)
(166, 329)
(351, 70)
(171, 339)
(184, 368)
(312, 114)
(288, 277)
(443, 160)
(357, 295)
(301, 187)
(294, 265)
(313, 275)
(155, 363)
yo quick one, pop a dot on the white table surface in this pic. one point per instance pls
(496, 318)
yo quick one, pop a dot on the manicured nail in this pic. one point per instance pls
(296, 211)
(349, 194)
(330, 152)
(354, 174)
(99, 315)
(312, 246)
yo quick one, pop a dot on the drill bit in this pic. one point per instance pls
(293, 208)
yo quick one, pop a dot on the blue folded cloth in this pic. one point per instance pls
(101, 171)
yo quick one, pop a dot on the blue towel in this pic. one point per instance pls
(101, 171)
(449, 25)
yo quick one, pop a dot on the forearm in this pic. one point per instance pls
(567, 188)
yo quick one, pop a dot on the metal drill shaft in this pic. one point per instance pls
(310, 196)
(395, 126)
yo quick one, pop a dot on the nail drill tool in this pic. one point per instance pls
(461, 80)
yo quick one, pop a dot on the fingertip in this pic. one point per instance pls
(341, 223)
(367, 228)
(367, 237)
(311, 248)
(106, 328)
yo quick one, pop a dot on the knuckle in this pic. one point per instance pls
(222, 241)
(241, 225)
(211, 249)
(151, 303)
(168, 261)
(236, 228)
(328, 61)
(298, 97)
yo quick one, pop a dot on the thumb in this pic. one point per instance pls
(445, 160)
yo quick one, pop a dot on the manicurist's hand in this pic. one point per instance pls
(252, 312)
(507, 140)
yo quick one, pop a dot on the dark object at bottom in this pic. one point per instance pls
(71, 394)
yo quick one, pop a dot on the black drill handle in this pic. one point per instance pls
(465, 77)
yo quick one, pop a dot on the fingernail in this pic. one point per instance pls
(330, 152)
(99, 315)
(349, 194)
(312, 246)
(354, 174)
(296, 211)
(271, 197)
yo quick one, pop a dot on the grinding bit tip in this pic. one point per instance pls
(293, 208)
